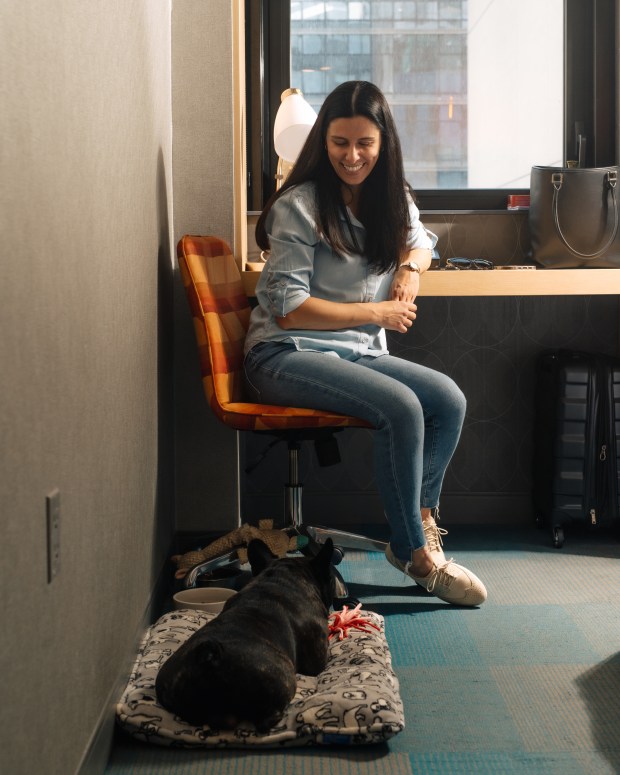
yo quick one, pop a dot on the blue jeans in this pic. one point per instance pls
(417, 414)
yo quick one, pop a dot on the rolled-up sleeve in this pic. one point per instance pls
(419, 237)
(289, 268)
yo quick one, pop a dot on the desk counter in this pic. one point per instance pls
(503, 282)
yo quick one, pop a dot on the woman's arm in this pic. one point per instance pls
(322, 315)
(406, 283)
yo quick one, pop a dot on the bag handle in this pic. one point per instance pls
(557, 178)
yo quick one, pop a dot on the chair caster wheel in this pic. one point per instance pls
(337, 556)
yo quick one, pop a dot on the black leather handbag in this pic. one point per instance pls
(574, 217)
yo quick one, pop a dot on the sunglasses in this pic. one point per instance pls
(469, 263)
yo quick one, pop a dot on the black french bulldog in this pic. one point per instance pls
(242, 665)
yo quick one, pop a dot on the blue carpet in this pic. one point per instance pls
(528, 683)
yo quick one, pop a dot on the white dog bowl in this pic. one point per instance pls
(210, 599)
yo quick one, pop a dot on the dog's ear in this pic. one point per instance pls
(323, 558)
(259, 556)
(324, 573)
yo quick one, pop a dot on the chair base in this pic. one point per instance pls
(224, 560)
(342, 540)
(341, 593)
(345, 540)
(293, 518)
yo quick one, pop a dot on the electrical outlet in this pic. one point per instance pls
(52, 503)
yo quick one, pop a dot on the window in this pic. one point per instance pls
(480, 89)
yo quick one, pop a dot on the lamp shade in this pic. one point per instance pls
(294, 120)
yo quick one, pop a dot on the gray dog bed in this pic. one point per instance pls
(354, 701)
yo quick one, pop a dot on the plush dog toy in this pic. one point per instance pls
(278, 541)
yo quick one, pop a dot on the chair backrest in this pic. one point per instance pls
(221, 313)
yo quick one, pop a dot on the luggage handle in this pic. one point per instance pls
(557, 178)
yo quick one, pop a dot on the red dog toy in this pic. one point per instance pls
(340, 623)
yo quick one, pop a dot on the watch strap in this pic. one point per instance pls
(411, 266)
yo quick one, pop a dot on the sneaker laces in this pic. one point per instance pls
(441, 576)
(433, 535)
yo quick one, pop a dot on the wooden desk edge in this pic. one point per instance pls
(520, 282)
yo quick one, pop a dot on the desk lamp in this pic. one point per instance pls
(294, 120)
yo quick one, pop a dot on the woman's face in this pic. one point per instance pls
(353, 146)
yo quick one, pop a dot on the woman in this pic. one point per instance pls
(347, 251)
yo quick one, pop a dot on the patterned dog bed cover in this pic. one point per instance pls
(354, 701)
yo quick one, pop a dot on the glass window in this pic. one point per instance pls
(481, 90)
(475, 87)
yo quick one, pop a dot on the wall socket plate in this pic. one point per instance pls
(52, 505)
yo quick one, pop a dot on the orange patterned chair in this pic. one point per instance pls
(221, 312)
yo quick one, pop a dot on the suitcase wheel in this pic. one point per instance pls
(558, 537)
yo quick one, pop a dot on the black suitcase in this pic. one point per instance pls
(576, 441)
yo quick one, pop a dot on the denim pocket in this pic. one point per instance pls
(257, 358)
(249, 363)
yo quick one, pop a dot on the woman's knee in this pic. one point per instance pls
(457, 400)
(451, 399)
(403, 411)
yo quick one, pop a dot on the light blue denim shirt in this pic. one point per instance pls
(301, 264)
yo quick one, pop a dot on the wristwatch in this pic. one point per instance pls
(411, 266)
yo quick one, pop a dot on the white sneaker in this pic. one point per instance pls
(448, 581)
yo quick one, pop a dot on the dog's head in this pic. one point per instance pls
(318, 566)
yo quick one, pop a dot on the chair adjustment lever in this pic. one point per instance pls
(259, 458)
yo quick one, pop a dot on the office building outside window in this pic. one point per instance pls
(475, 86)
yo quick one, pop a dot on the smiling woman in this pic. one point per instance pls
(347, 251)
(353, 147)
(355, 129)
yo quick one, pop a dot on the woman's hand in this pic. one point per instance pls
(395, 315)
(323, 315)
(405, 285)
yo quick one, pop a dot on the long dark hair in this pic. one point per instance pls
(383, 206)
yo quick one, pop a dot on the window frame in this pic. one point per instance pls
(590, 97)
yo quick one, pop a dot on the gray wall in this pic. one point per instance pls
(97, 347)
(86, 354)
(202, 104)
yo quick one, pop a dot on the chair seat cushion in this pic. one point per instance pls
(354, 701)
